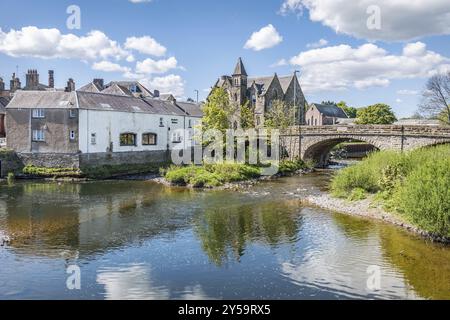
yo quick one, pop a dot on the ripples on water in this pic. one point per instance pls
(139, 240)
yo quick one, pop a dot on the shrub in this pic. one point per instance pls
(424, 197)
(210, 175)
(357, 194)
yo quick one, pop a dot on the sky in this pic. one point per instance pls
(360, 51)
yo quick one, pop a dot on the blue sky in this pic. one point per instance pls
(192, 43)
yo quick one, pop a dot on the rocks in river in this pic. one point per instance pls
(4, 240)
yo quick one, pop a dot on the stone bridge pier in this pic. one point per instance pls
(315, 143)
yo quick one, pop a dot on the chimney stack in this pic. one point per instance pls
(2, 85)
(156, 94)
(14, 84)
(51, 78)
(32, 79)
(70, 85)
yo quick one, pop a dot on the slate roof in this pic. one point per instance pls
(4, 101)
(42, 99)
(262, 83)
(330, 110)
(91, 87)
(128, 84)
(191, 109)
(117, 89)
(240, 69)
(100, 101)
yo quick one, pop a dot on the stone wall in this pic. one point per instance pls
(51, 160)
(122, 158)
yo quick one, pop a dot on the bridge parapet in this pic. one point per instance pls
(382, 130)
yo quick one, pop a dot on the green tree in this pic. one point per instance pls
(247, 116)
(217, 111)
(376, 114)
(350, 111)
(280, 116)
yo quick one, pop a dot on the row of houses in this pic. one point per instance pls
(72, 129)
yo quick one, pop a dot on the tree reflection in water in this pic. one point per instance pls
(226, 232)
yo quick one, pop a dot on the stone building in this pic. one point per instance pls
(73, 129)
(261, 92)
(325, 114)
(3, 103)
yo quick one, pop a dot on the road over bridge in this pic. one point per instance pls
(315, 143)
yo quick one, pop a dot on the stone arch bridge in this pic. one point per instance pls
(315, 143)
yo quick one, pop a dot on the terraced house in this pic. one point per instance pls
(72, 129)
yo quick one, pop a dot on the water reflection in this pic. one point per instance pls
(139, 240)
(225, 232)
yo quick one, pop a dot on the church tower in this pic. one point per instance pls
(239, 88)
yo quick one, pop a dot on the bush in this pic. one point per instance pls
(357, 194)
(415, 184)
(424, 197)
(289, 166)
(51, 172)
(210, 175)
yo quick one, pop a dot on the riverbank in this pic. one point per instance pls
(412, 186)
(368, 208)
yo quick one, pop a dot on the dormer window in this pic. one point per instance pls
(38, 113)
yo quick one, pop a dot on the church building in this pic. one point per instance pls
(261, 92)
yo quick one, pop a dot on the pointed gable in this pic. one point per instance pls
(240, 69)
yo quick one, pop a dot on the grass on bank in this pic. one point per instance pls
(214, 175)
(415, 184)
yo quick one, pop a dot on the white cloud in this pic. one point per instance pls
(150, 66)
(401, 20)
(171, 83)
(145, 45)
(280, 63)
(398, 100)
(343, 67)
(406, 92)
(318, 44)
(140, 1)
(267, 37)
(108, 66)
(50, 43)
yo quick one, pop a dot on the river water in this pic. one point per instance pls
(141, 240)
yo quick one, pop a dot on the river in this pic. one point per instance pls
(141, 240)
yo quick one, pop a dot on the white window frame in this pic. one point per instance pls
(72, 113)
(161, 122)
(176, 137)
(72, 135)
(38, 113)
(38, 135)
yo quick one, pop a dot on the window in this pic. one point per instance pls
(128, 139)
(38, 135)
(258, 120)
(72, 113)
(190, 123)
(174, 121)
(93, 138)
(38, 113)
(72, 135)
(149, 139)
(161, 122)
(176, 137)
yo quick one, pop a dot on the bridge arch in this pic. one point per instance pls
(319, 151)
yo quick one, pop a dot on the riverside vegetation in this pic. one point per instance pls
(214, 175)
(414, 185)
